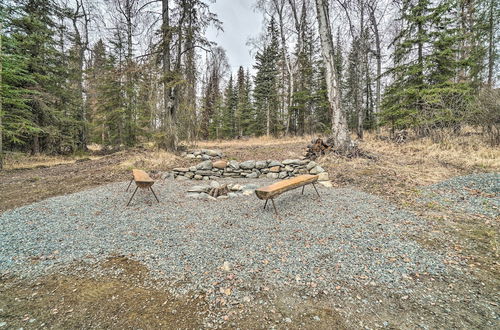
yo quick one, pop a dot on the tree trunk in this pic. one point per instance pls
(170, 142)
(1, 108)
(339, 119)
(378, 56)
(491, 44)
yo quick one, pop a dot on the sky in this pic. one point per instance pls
(240, 22)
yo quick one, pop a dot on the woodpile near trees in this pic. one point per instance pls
(219, 191)
(320, 147)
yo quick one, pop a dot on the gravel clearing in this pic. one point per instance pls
(473, 194)
(226, 247)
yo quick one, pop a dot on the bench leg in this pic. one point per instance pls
(154, 194)
(275, 210)
(265, 204)
(302, 193)
(316, 190)
(129, 184)
(132, 195)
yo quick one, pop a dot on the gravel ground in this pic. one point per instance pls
(473, 194)
(227, 248)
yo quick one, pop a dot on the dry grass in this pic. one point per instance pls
(17, 160)
(152, 161)
(399, 168)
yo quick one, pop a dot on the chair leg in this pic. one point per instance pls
(132, 195)
(265, 204)
(302, 193)
(275, 210)
(129, 184)
(154, 194)
(316, 190)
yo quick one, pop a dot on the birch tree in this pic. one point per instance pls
(340, 130)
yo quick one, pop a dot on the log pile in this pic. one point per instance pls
(318, 147)
(219, 191)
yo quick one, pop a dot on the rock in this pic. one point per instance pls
(226, 266)
(282, 175)
(213, 177)
(327, 184)
(234, 165)
(205, 172)
(190, 156)
(291, 162)
(248, 192)
(303, 171)
(248, 165)
(236, 187)
(198, 189)
(197, 153)
(250, 186)
(181, 169)
(203, 196)
(198, 177)
(214, 184)
(316, 170)
(223, 197)
(264, 170)
(288, 320)
(220, 164)
(189, 175)
(231, 175)
(323, 176)
(312, 164)
(206, 178)
(232, 195)
(288, 168)
(205, 157)
(253, 175)
(261, 164)
(192, 169)
(213, 153)
(316, 318)
(274, 169)
(247, 299)
(272, 175)
(275, 163)
(206, 165)
(198, 157)
(181, 177)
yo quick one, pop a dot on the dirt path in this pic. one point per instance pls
(25, 186)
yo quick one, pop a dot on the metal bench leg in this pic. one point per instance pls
(275, 210)
(154, 194)
(129, 184)
(132, 195)
(265, 204)
(316, 190)
(302, 193)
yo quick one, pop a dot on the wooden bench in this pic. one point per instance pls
(276, 189)
(143, 181)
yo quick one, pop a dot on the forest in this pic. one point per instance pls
(120, 73)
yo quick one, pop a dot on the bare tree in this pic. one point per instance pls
(340, 130)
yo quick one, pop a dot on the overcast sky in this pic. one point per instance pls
(240, 22)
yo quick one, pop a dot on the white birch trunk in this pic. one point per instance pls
(339, 119)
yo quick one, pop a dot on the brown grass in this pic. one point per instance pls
(400, 168)
(17, 160)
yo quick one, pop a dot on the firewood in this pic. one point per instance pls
(220, 191)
